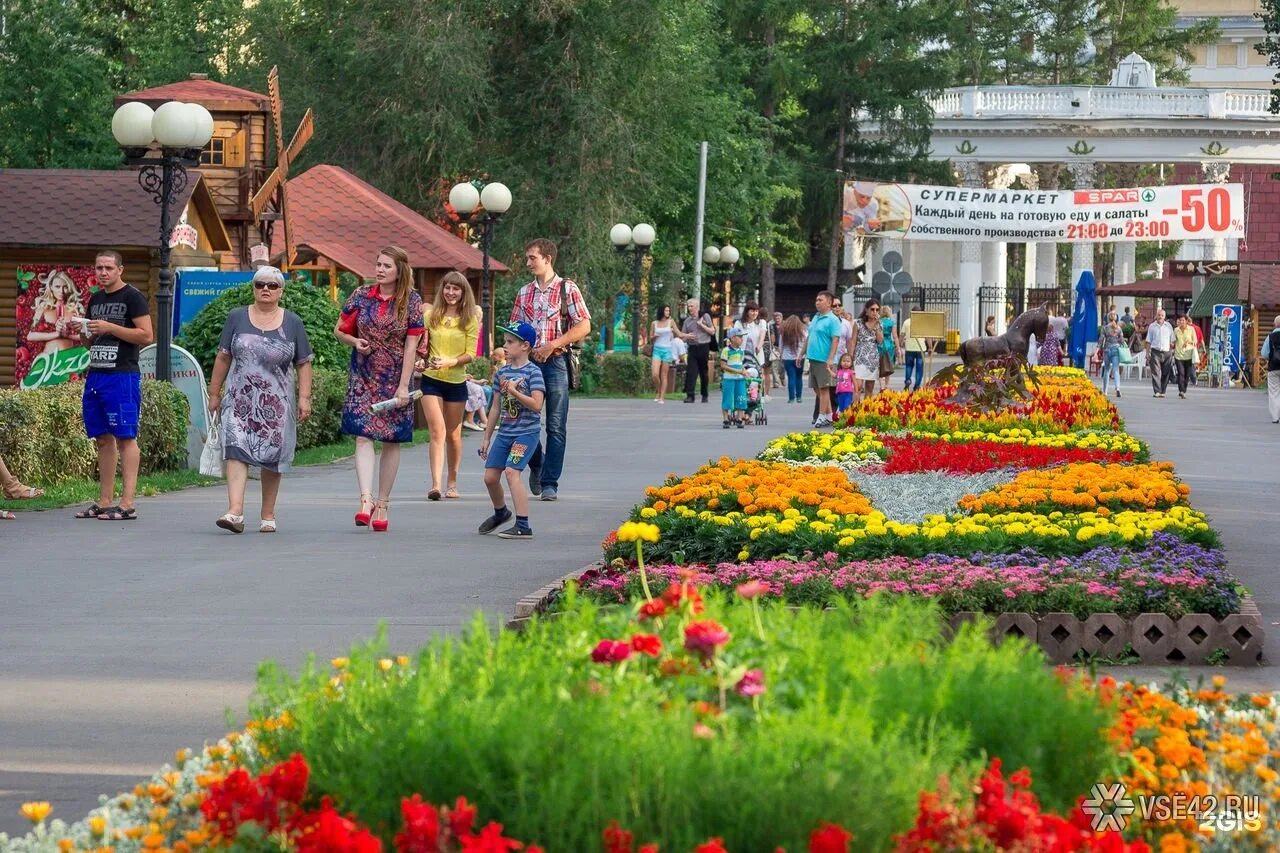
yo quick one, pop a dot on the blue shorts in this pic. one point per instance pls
(664, 355)
(111, 404)
(733, 393)
(512, 449)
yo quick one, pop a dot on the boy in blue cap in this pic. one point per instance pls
(516, 413)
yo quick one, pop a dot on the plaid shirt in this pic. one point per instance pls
(540, 308)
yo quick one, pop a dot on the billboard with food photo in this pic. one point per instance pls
(51, 299)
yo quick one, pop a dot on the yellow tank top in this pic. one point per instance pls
(450, 340)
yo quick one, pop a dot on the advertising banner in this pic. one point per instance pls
(1226, 333)
(197, 288)
(50, 299)
(918, 212)
(187, 377)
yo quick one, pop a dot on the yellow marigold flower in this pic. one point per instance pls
(66, 845)
(339, 663)
(648, 512)
(743, 554)
(97, 825)
(385, 664)
(402, 660)
(36, 812)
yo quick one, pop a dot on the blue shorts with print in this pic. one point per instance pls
(512, 450)
(111, 404)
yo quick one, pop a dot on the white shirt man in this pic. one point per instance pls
(1160, 355)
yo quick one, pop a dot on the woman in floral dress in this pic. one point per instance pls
(382, 324)
(866, 350)
(263, 346)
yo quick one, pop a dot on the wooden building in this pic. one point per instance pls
(1260, 289)
(61, 217)
(234, 163)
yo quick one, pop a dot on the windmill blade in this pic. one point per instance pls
(258, 203)
(288, 229)
(277, 114)
(301, 136)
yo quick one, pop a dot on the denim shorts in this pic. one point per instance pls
(450, 392)
(512, 450)
(111, 404)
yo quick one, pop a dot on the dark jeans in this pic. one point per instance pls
(696, 368)
(1185, 373)
(830, 392)
(555, 373)
(795, 379)
(1161, 365)
(915, 364)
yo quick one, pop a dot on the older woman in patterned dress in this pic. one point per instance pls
(263, 349)
(382, 324)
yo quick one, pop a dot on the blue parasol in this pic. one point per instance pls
(1084, 319)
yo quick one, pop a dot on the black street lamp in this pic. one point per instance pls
(722, 261)
(485, 206)
(635, 242)
(180, 131)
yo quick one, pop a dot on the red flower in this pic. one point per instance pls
(421, 827)
(678, 594)
(703, 638)
(648, 848)
(753, 588)
(235, 800)
(490, 840)
(830, 838)
(610, 652)
(462, 817)
(751, 683)
(653, 609)
(616, 839)
(327, 831)
(715, 845)
(287, 781)
(647, 644)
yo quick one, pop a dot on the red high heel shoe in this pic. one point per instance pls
(362, 517)
(380, 525)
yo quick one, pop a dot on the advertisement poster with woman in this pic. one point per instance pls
(52, 300)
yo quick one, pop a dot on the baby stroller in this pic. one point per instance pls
(755, 392)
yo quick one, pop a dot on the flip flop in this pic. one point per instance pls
(26, 493)
(117, 513)
(93, 511)
(5, 515)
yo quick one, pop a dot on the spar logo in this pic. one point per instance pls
(1130, 196)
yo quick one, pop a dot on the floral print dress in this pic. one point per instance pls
(866, 353)
(258, 414)
(375, 376)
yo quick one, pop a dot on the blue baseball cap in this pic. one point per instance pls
(523, 331)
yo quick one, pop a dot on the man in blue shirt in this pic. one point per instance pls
(824, 338)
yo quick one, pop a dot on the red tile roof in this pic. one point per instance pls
(1261, 284)
(83, 207)
(1167, 288)
(347, 220)
(209, 93)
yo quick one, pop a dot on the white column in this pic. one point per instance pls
(1046, 265)
(969, 261)
(1085, 173)
(1126, 260)
(1029, 262)
(1216, 172)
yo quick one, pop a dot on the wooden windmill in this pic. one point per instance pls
(275, 189)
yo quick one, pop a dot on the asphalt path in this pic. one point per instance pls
(121, 642)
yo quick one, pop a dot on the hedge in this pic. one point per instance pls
(43, 438)
(328, 393)
(623, 373)
(200, 337)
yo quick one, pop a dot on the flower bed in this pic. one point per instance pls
(1085, 486)
(1053, 409)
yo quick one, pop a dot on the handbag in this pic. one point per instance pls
(1126, 356)
(572, 361)
(211, 456)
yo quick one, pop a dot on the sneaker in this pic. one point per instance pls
(549, 493)
(1117, 393)
(766, 398)
(491, 523)
(1181, 396)
(726, 423)
(516, 531)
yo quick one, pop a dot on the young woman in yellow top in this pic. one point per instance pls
(1185, 352)
(452, 332)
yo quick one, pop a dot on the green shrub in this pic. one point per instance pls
(623, 373)
(43, 439)
(479, 367)
(328, 393)
(864, 709)
(200, 337)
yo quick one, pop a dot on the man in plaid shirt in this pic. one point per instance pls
(538, 304)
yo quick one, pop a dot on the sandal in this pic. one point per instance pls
(363, 516)
(26, 493)
(119, 513)
(452, 494)
(267, 525)
(433, 495)
(234, 523)
(5, 515)
(380, 525)
(93, 511)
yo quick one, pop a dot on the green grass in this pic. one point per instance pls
(85, 491)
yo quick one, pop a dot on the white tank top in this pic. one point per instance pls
(662, 335)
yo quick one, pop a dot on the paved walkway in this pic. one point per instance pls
(123, 642)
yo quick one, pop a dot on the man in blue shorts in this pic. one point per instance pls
(119, 324)
(516, 413)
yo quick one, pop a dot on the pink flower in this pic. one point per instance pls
(754, 588)
(702, 638)
(610, 651)
(751, 683)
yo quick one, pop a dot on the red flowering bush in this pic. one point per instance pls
(911, 454)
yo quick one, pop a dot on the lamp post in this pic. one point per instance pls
(485, 206)
(722, 261)
(635, 242)
(180, 131)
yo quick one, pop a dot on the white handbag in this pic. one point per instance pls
(211, 456)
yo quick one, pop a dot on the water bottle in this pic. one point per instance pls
(386, 405)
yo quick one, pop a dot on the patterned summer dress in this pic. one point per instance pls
(259, 413)
(866, 353)
(376, 376)
(1051, 349)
